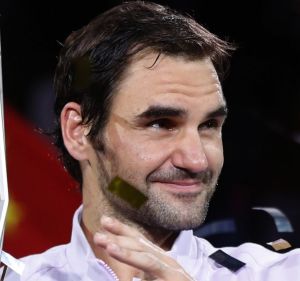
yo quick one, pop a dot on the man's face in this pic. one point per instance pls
(163, 137)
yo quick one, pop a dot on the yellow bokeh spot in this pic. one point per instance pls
(13, 216)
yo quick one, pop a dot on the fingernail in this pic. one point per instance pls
(106, 220)
(101, 236)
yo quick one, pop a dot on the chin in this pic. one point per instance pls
(174, 219)
(186, 223)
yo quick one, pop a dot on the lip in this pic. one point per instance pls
(182, 185)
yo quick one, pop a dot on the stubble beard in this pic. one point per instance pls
(162, 210)
(175, 211)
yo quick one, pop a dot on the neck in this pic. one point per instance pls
(92, 212)
(159, 236)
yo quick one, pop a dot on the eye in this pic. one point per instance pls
(164, 123)
(210, 124)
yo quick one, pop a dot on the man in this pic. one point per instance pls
(140, 111)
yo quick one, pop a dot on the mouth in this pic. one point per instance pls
(184, 186)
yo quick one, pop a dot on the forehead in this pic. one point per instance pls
(168, 80)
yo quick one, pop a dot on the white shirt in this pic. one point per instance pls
(76, 261)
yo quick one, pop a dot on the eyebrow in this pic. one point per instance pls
(222, 111)
(158, 111)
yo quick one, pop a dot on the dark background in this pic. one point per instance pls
(262, 133)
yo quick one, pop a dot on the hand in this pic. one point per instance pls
(129, 246)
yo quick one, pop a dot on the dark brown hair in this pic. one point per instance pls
(93, 59)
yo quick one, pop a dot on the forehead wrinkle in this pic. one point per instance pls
(159, 82)
(203, 86)
(204, 69)
(139, 68)
(207, 89)
(204, 76)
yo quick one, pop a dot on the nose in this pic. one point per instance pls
(189, 153)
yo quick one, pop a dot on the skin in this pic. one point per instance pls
(163, 137)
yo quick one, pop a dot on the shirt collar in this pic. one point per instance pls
(183, 245)
(79, 250)
(185, 249)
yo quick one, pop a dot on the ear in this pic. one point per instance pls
(74, 132)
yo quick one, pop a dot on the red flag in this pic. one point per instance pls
(42, 196)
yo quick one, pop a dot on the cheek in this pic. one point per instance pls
(135, 162)
(214, 154)
(139, 155)
(135, 153)
(134, 157)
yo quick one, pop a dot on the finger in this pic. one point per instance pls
(145, 261)
(138, 244)
(114, 226)
(149, 263)
(104, 239)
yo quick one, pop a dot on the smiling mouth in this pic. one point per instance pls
(186, 186)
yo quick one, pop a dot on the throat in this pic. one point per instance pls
(160, 237)
(91, 223)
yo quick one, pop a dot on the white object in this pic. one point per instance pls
(7, 259)
(3, 174)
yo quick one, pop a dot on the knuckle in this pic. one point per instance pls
(152, 262)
